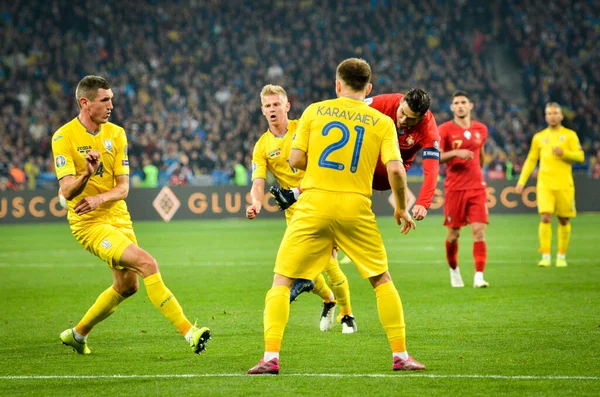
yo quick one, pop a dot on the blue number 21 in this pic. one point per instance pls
(360, 132)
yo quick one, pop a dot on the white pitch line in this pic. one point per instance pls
(402, 375)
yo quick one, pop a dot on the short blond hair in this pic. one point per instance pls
(554, 105)
(272, 89)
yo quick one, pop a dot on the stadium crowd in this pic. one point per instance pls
(187, 74)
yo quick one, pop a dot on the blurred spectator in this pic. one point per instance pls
(150, 172)
(241, 177)
(16, 178)
(32, 170)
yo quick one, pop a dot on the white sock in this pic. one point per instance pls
(78, 337)
(403, 355)
(561, 256)
(270, 355)
(478, 275)
(456, 271)
(545, 256)
(296, 192)
(189, 335)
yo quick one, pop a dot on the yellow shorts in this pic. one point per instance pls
(289, 213)
(107, 241)
(323, 220)
(559, 202)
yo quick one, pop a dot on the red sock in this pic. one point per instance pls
(452, 254)
(480, 255)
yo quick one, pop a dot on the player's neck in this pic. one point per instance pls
(88, 123)
(464, 122)
(555, 128)
(278, 129)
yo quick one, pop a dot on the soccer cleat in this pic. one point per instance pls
(270, 367)
(348, 324)
(283, 197)
(560, 262)
(327, 316)
(409, 364)
(345, 260)
(544, 262)
(68, 338)
(198, 339)
(300, 285)
(480, 283)
(456, 279)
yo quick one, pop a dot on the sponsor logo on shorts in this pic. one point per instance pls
(106, 244)
(61, 161)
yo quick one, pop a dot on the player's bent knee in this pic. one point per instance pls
(380, 279)
(563, 221)
(129, 290)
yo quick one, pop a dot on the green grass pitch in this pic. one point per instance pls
(533, 332)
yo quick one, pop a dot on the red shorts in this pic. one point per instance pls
(462, 207)
(380, 178)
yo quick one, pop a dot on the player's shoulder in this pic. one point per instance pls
(292, 125)
(445, 126)
(569, 131)
(478, 125)
(113, 129)
(65, 131)
(393, 97)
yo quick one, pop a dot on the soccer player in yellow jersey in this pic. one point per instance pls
(272, 152)
(338, 142)
(556, 148)
(92, 167)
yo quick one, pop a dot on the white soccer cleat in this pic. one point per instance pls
(327, 316)
(455, 278)
(479, 282)
(348, 324)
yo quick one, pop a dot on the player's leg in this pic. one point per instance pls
(565, 209)
(477, 215)
(454, 219)
(391, 315)
(142, 263)
(322, 289)
(546, 201)
(341, 289)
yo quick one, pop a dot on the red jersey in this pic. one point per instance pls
(424, 136)
(463, 174)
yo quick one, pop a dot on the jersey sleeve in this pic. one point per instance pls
(431, 165)
(442, 134)
(390, 150)
(63, 159)
(259, 161)
(532, 158)
(121, 158)
(573, 151)
(300, 139)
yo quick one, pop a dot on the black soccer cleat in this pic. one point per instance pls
(283, 197)
(300, 285)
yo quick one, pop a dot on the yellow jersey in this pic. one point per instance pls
(555, 172)
(273, 153)
(69, 146)
(343, 139)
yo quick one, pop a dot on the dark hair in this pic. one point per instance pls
(355, 72)
(460, 93)
(418, 101)
(88, 87)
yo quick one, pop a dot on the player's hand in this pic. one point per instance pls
(408, 221)
(419, 212)
(464, 154)
(252, 211)
(92, 161)
(87, 204)
(557, 151)
(519, 189)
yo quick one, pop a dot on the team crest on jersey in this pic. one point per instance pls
(369, 101)
(275, 153)
(409, 141)
(436, 144)
(253, 166)
(467, 134)
(108, 144)
(477, 135)
(562, 138)
(84, 149)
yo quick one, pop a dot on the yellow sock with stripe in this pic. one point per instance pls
(545, 235)
(105, 305)
(322, 289)
(564, 236)
(277, 313)
(165, 301)
(391, 316)
(339, 286)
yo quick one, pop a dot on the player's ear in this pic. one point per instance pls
(369, 89)
(338, 87)
(288, 106)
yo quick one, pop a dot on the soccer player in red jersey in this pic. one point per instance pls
(465, 201)
(416, 129)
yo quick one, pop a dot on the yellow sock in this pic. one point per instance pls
(277, 313)
(339, 285)
(545, 234)
(165, 301)
(104, 306)
(322, 289)
(564, 236)
(391, 316)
